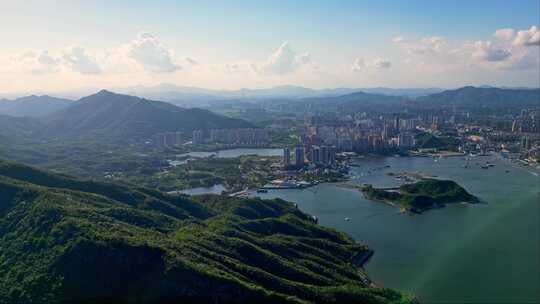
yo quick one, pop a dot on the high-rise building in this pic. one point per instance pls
(198, 137)
(316, 154)
(168, 139)
(324, 155)
(299, 156)
(332, 155)
(286, 157)
(405, 141)
(525, 143)
(515, 126)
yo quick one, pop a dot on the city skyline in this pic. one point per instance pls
(233, 45)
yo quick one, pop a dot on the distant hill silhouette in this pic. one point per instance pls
(33, 106)
(123, 116)
(484, 96)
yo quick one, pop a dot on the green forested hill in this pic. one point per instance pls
(64, 240)
(109, 115)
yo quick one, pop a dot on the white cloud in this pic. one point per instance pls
(77, 59)
(528, 37)
(38, 62)
(376, 63)
(486, 51)
(430, 45)
(504, 34)
(283, 61)
(424, 46)
(304, 58)
(151, 54)
(398, 39)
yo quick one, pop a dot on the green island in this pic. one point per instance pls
(72, 240)
(420, 196)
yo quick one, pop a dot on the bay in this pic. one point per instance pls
(482, 253)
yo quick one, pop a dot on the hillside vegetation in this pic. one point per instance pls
(422, 195)
(122, 117)
(66, 240)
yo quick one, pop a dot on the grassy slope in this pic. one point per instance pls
(69, 240)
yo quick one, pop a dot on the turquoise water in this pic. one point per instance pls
(483, 253)
(216, 189)
(236, 153)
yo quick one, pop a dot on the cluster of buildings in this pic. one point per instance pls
(233, 137)
(246, 137)
(316, 155)
(527, 122)
(362, 135)
(169, 139)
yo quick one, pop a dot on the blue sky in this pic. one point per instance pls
(233, 44)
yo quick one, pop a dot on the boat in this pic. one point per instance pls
(262, 191)
(484, 167)
(347, 219)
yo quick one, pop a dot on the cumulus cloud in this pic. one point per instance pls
(151, 54)
(430, 45)
(376, 63)
(283, 61)
(504, 34)
(38, 62)
(398, 39)
(487, 51)
(423, 46)
(528, 37)
(77, 59)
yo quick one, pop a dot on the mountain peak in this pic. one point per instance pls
(105, 92)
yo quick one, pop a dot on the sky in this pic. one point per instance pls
(62, 45)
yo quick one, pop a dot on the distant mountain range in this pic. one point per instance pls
(483, 97)
(199, 97)
(33, 106)
(189, 96)
(107, 115)
(118, 116)
(123, 116)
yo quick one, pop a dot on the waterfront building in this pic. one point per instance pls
(249, 137)
(405, 141)
(332, 155)
(299, 156)
(324, 154)
(316, 154)
(286, 157)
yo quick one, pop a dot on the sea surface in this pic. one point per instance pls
(482, 253)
